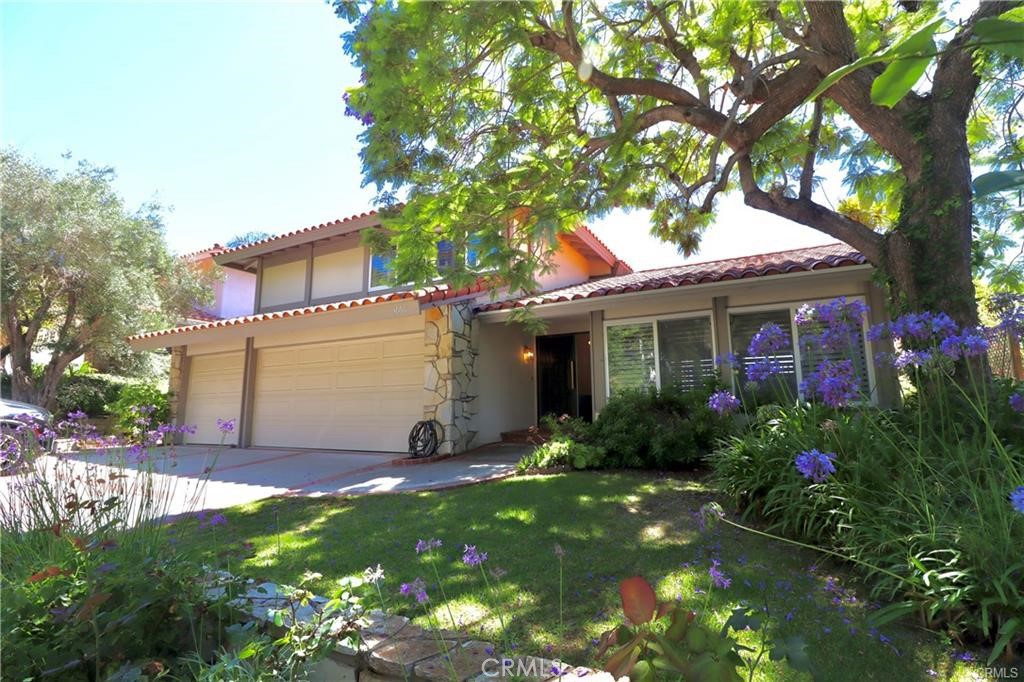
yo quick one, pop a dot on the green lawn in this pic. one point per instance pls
(611, 525)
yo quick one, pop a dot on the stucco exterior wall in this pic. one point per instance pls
(283, 283)
(570, 268)
(506, 401)
(237, 295)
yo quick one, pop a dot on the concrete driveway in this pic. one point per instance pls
(200, 477)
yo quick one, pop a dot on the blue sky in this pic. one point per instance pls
(231, 115)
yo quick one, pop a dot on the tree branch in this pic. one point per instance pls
(689, 109)
(807, 172)
(807, 212)
(835, 47)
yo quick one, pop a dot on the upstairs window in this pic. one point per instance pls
(381, 269)
(445, 255)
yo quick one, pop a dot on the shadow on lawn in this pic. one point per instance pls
(611, 526)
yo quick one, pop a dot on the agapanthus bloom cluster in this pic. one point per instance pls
(416, 589)
(723, 402)
(928, 338)
(1009, 308)
(472, 557)
(1017, 499)
(427, 545)
(831, 326)
(718, 578)
(769, 339)
(1017, 402)
(815, 465)
(834, 382)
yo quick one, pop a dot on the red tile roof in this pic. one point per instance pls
(198, 314)
(425, 295)
(214, 250)
(304, 230)
(761, 265)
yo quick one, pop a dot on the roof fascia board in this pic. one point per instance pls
(601, 302)
(330, 230)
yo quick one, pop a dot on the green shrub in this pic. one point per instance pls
(574, 428)
(658, 429)
(136, 401)
(563, 452)
(90, 393)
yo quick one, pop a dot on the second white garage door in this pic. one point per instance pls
(362, 394)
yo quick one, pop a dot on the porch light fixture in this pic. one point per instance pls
(527, 354)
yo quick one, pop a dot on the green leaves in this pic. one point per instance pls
(909, 59)
(997, 181)
(1001, 34)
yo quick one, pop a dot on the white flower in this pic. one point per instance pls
(373, 575)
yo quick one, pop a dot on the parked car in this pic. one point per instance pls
(22, 426)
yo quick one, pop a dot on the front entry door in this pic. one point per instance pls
(556, 375)
(563, 375)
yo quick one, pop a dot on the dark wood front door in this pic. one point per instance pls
(557, 391)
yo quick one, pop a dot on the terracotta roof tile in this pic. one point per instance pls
(425, 295)
(761, 265)
(304, 230)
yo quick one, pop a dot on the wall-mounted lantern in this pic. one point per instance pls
(527, 354)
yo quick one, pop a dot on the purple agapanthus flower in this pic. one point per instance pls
(723, 402)
(226, 425)
(416, 589)
(912, 358)
(427, 545)
(1017, 499)
(471, 557)
(834, 382)
(718, 578)
(1017, 402)
(816, 465)
(763, 369)
(770, 338)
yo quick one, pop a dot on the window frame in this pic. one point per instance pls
(654, 319)
(792, 307)
(369, 272)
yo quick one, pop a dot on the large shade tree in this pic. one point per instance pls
(499, 123)
(80, 271)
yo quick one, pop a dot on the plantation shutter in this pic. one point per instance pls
(686, 357)
(631, 357)
(742, 328)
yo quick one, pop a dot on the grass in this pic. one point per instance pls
(611, 525)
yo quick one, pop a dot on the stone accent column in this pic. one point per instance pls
(450, 385)
(177, 386)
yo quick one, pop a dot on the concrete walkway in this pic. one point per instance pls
(200, 477)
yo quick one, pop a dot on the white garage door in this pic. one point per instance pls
(214, 392)
(360, 394)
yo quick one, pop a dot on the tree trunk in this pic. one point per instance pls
(927, 256)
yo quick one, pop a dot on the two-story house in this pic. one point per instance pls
(330, 356)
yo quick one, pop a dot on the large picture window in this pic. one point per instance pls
(797, 362)
(664, 353)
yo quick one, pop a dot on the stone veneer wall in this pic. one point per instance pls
(450, 383)
(175, 383)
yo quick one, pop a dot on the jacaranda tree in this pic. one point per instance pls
(80, 270)
(494, 125)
